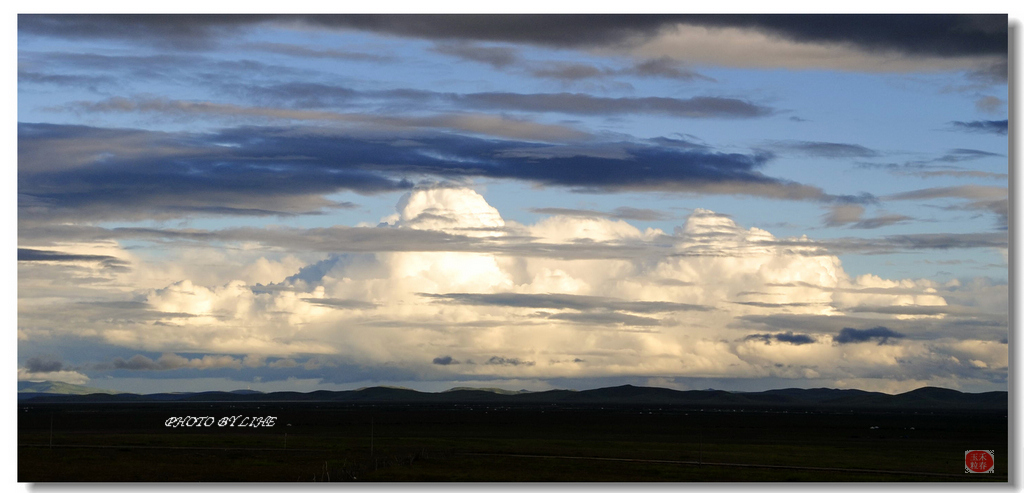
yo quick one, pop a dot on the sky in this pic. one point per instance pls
(740, 202)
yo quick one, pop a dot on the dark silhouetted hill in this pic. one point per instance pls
(927, 398)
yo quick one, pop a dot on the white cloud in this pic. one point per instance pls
(371, 310)
(67, 376)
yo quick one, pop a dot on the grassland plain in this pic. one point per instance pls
(325, 441)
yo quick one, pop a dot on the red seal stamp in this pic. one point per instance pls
(979, 461)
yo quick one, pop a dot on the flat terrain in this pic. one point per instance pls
(327, 441)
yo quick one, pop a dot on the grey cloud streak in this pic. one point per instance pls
(88, 172)
(894, 243)
(372, 240)
(786, 337)
(825, 149)
(308, 95)
(605, 319)
(562, 301)
(33, 255)
(977, 327)
(630, 213)
(998, 127)
(852, 215)
(509, 58)
(992, 199)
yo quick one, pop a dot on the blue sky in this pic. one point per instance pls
(308, 202)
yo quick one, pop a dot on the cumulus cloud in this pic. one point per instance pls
(710, 298)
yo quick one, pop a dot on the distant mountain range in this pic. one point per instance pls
(923, 398)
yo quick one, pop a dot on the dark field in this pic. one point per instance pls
(448, 442)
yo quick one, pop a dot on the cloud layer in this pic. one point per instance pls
(470, 315)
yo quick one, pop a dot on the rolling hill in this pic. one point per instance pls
(927, 398)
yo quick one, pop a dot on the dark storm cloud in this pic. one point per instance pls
(445, 360)
(43, 364)
(630, 213)
(825, 149)
(998, 127)
(93, 172)
(786, 337)
(563, 301)
(934, 35)
(882, 334)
